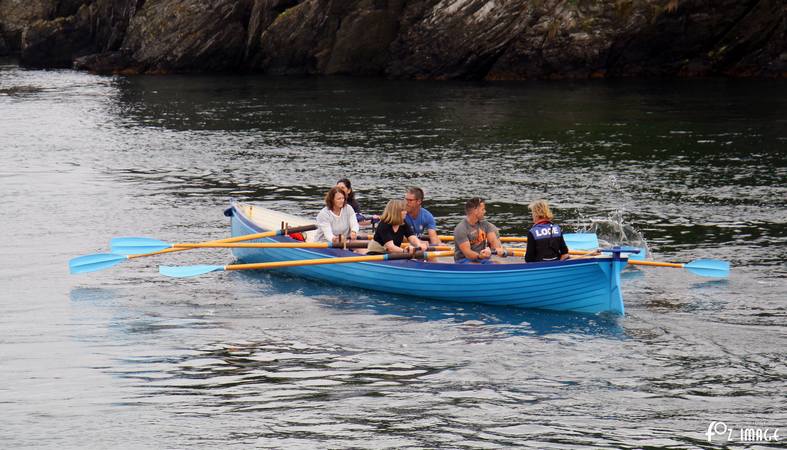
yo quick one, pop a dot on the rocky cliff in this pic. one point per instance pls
(422, 39)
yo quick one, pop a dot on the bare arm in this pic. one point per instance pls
(417, 243)
(494, 242)
(433, 239)
(466, 250)
(390, 247)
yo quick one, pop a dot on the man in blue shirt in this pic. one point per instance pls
(420, 219)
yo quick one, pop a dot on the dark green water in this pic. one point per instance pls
(126, 358)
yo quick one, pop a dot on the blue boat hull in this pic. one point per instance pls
(587, 286)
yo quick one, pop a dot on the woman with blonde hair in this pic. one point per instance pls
(545, 239)
(392, 231)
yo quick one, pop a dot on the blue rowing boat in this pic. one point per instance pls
(580, 285)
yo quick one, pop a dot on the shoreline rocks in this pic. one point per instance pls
(413, 39)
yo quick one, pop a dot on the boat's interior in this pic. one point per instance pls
(269, 219)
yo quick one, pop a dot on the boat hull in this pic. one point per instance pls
(586, 286)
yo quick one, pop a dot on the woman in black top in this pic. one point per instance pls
(392, 231)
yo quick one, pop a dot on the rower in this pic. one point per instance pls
(346, 186)
(418, 217)
(393, 230)
(545, 239)
(474, 236)
(336, 222)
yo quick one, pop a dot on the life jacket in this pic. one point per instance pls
(547, 241)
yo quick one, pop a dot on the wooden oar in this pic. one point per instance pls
(511, 251)
(156, 245)
(712, 268)
(100, 261)
(190, 271)
(577, 241)
(142, 246)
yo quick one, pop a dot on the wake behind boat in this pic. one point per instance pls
(589, 285)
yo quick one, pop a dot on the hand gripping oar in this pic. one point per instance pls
(100, 261)
(191, 271)
(127, 246)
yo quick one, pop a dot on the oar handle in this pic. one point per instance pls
(509, 250)
(445, 238)
(512, 239)
(249, 237)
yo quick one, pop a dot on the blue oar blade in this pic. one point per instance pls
(187, 271)
(137, 245)
(635, 256)
(581, 241)
(713, 268)
(94, 262)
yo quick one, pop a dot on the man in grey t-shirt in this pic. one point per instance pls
(474, 236)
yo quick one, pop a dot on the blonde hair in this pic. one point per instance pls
(540, 209)
(393, 212)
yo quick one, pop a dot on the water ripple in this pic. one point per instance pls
(687, 169)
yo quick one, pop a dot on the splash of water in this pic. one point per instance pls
(612, 230)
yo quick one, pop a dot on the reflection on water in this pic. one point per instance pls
(690, 169)
(498, 321)
(246, 376)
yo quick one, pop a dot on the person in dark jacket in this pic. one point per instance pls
(347, 187)
(545, 239)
